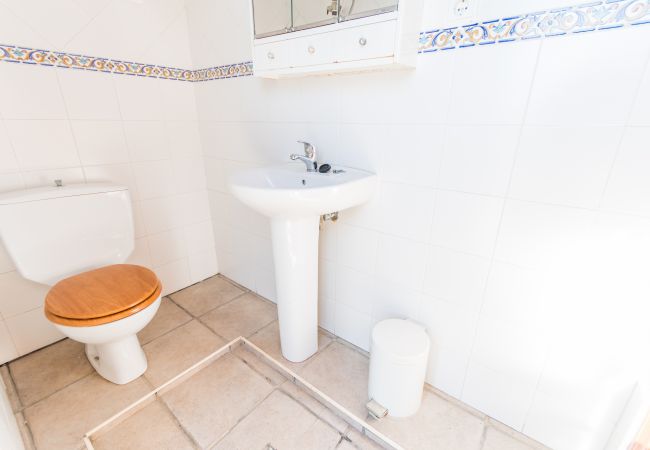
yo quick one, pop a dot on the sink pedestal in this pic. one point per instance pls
(295, 200)
(295, 253)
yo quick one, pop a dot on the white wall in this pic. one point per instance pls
(513, 215)
(87, 126)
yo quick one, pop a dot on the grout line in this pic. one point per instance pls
(254, 369)
(501, 217)
(209, 310)
(182, 376)
(87, 24)
(24, 406)
(625, 127)
(518, 436)
(241, 419)
(25, 23)
(178, 422)
(481, 444)
(168, 331)
(228, 349)
(618, 423)
(323, 398)
(31, 405)
(447, 398)
(199, 320)
(308, 409)
(176, 16)
(70, 127)
(19, 170)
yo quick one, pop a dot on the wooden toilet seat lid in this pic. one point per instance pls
(102, 293)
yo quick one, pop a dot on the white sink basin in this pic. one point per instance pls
(290, 191)
(295, 199)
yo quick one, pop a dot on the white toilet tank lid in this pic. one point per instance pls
(50, 192)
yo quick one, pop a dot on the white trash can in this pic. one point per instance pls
(399, 351)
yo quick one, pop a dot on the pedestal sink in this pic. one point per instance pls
(294, 200)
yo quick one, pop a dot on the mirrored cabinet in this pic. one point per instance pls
(355, 9)
(312, 13)
(271, 17)
(308, 37)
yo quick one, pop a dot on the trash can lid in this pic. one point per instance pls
(401, 337)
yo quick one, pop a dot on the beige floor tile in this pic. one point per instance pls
(45, 371)
(177, 350)
(213, 400)
(153, 427)
(438, 424)
(206, 295)
(168, 317)
(268, 339)
(318, 409)
(282, 423)
(241, 317)
(342, 373)
(496, 440)
(60, 421)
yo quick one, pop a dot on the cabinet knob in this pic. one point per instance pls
(270, 55)
(311, 49)
(362, 41)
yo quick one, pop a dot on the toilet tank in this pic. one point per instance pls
(53, 232)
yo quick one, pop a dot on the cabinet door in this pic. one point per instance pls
(314, 13)
(366, 42)
(312, 50)
(354, 9)
(271, 56)
(271, 17)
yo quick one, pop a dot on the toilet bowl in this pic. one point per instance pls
(105, 308)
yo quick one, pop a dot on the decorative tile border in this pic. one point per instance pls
(220, 72)
(25, 55)
(592, 16)
(599, 15)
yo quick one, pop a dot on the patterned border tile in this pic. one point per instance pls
(27, 55)
(221, 72)
(600, 15)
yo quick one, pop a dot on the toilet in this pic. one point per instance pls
(76, 239)
(105, 308)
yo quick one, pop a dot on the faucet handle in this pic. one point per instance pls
(310, 150)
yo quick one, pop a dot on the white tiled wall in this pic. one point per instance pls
(88, 126)
(153, 31)
(512, 216)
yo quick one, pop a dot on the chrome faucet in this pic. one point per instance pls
(310, 157)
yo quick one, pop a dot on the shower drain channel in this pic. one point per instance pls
(314, 419)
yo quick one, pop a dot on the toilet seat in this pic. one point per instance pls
(102, 295)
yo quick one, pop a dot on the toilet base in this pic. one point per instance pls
(120, 361)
